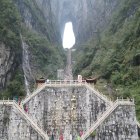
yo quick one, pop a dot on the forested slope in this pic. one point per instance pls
(113, 54)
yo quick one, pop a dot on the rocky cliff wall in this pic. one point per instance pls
(7, 65)
(37, 16)
(39, 31)
(88, 17)
(48, 17)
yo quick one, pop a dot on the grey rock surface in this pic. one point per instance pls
(6, 64)
(88, 17)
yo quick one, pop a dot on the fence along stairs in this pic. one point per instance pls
(28, 98)
(99, 94)
(104, 116)
(27, 118)
(62, 83)
(53, 83)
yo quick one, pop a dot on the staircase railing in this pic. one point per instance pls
(54, 83)
(26, 117)
(34, 94)
(65, 82)
(68, 83)
(102, 118)
(99, 94)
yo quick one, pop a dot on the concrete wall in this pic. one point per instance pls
(15, 127)
(54, 110)
(68, 110)
(120, 125)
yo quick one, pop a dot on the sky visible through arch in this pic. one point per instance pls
(68, 37)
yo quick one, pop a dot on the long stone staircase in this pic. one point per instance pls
(104, 117)
(40, 131)
(111, 105)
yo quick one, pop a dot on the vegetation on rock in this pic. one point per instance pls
(9, 35)
(46, 55)
(9, 25)
(115, 56)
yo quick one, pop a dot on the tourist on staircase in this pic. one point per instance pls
(70, 136)
(52, 137)
(61, 136)
(25, 109)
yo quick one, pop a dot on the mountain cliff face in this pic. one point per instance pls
(40, 33)
(6, 62)
(37, 15)
(87, 16)
(26, 23)
(112, 52)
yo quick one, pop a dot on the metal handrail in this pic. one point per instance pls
(26, 117)
(105, 115)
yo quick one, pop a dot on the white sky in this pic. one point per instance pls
(68, 37)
